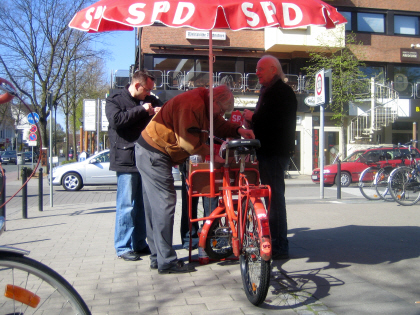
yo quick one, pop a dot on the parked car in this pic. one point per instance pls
(92, 171)
(9, 157)
(355, 163)
(28, 156)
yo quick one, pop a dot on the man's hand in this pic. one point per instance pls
(246, 133)
(157, 109)
(149, 108)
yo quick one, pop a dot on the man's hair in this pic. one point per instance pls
(141, 77)
(275, 63)
(224, 97)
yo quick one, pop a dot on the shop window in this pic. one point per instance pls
(371, 22)
(406, 25)
(347, 15)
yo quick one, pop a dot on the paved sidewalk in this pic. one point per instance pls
(349, 256)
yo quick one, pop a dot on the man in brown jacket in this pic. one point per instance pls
(166, 142)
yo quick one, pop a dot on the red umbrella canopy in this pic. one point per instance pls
(112, 15)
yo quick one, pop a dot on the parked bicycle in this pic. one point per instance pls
(373, 181)
(404, 181)
(239, 225)
(33, 288)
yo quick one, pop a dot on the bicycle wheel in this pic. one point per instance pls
(381, 180)
(367, 184)
(255, 271)
(219, 239)
(404, 186)
(33, 288)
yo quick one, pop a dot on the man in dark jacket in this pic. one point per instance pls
(274, 124)
(128, 112)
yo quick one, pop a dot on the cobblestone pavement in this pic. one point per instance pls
(348, 256)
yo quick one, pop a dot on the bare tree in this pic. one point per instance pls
(37, 49)
(85, 79)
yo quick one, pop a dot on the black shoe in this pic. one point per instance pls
(176, 267)
(153, 265)
(144, 251)
(130, 256)
(280, 256)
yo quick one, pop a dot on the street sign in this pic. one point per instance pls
(320, 87)
(32, 143)
(33, 128)
(105, 122)
(33, 118)
(89, 115)
(32, 136)
(310, 101)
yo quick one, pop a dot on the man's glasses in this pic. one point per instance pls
(145, 89)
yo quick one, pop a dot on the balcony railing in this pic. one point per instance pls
(238, 82)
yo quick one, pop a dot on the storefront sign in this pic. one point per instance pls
(409, 55)
(205, 35)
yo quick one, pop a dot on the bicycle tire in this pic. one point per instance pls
(367, 184)
(381, 180)
(219, 240)
(404, 186)
(30, 277)
(255, 271)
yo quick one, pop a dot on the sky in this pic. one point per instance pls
(121, 46)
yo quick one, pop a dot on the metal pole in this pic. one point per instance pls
(98, 104)
(339, 179)
(321, 151)
(24, 194)
(40, 191)
(3, 197)
(50, 162)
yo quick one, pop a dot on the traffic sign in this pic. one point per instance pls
(33, 128)
(32, 136)
(33, 118)
(320, 87)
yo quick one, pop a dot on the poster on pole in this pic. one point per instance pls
(105, 122)
(320, 87)
(89, 115)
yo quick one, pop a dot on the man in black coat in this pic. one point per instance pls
(128, 112)
(274, 124)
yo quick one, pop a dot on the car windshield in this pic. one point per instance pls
(354, 156)
(9, 153)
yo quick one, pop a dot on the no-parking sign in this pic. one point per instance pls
(320, 87)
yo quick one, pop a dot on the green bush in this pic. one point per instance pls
(69, 161)
(28, 171)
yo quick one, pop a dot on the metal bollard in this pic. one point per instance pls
(40, 192)
(3, 197)
(24, 195)
(339, 179)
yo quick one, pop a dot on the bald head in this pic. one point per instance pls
(268, 67)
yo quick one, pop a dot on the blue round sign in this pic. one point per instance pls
(33, 118)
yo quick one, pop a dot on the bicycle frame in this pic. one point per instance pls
(245, 192)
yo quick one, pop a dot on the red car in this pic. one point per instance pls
(359, 160)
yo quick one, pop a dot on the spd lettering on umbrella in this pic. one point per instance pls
(184, 11)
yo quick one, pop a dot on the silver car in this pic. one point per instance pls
(93, 171)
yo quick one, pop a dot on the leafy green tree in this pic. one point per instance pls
(346, 73)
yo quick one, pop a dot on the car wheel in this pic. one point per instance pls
(72, 182)
(345, 179)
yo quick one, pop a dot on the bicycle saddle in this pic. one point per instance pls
(246, 143)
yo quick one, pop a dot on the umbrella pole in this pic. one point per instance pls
(211, 113)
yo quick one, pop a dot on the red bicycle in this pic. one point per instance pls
(239, 225)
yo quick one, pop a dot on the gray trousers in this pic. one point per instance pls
(159, 198)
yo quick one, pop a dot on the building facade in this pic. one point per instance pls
(388, 29)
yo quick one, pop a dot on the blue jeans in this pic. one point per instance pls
(272, 173)
(130, 224)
